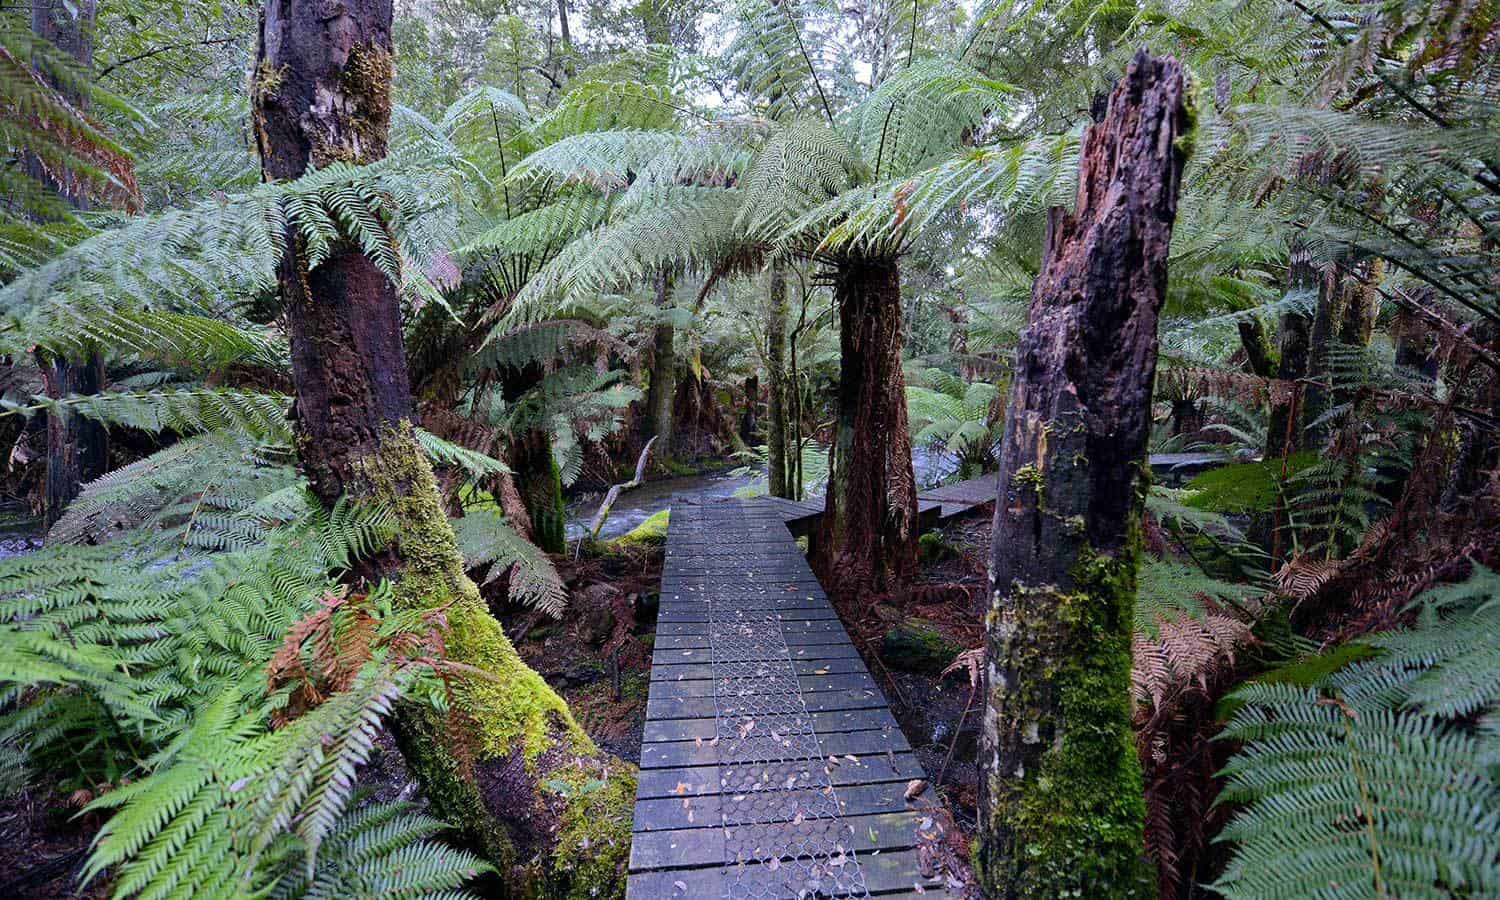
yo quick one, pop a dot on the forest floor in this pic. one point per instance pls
(599, 658)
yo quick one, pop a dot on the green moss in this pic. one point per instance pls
(932, 546)
(1028, 477)
(593, 844)
(651, 531)
(1078, 816)
(512, 706)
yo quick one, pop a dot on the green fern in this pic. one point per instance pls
(487, 541)
(1377, 780)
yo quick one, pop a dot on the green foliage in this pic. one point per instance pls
(959, 418)
(1169, 590)
(486, 540)
(1244, 487)
(1378, 778)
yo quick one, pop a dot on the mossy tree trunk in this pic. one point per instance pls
(77, 448)
(776, 378)
(1060, 811)
(493, 763)
(867, 536)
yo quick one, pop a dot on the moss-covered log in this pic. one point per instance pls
(506, 762)
(1060, 790)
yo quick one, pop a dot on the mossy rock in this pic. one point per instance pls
(916, 646)
(651, 531)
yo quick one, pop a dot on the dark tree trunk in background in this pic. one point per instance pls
(1284, 430)
(1260, 355)
(868, 532)
(1060, 811)
(77, 448)
(661, 393)
(322, 93)
(777, 434)
(537, 477)
(539, 482)
(1347, 304)
(750, 415)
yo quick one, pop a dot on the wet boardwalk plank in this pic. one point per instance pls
(771, 765)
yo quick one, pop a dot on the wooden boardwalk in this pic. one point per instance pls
(772, 766)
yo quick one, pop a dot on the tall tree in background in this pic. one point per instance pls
(77, 448)
(491, 763)
(1060, 787)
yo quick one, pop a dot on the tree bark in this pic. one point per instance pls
(1260, 356)
(77, 448)
(540, 483)
(867, 536)
(776, 405)
(1060, 810)
(661, 394)
(490, 764)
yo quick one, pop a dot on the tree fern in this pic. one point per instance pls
(1375, 779)
(487, 541)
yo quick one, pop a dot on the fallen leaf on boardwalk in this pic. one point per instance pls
(680, 885)
(820, 671)
(914, 788)
(774, 864)
(851, 757)
(918, 888)
(682, 788)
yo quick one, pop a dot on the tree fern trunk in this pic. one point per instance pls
(1060, 810)
(776, 405)
(868, 532)
(540, 484)
(77, 448)
(661, 395)
(491, 763)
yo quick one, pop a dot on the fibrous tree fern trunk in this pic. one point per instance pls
(868, 533)
(77, 448)
(661, 393)
(493, 762)
(776, 377)
(540, 484)
(1060, 810)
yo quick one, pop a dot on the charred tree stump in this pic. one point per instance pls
(1060, 810)
(490, 763)
(868, 533)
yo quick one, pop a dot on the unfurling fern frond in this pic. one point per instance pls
(1375, 780)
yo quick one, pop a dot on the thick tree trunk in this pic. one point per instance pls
(77, 448)
(776, 404)
(489, 765)
(1060, 810)
(868, 533)
(661, 394)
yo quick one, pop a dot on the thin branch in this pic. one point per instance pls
(103, 73)
(811, 70)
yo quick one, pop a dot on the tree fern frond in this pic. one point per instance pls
(486, 540)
